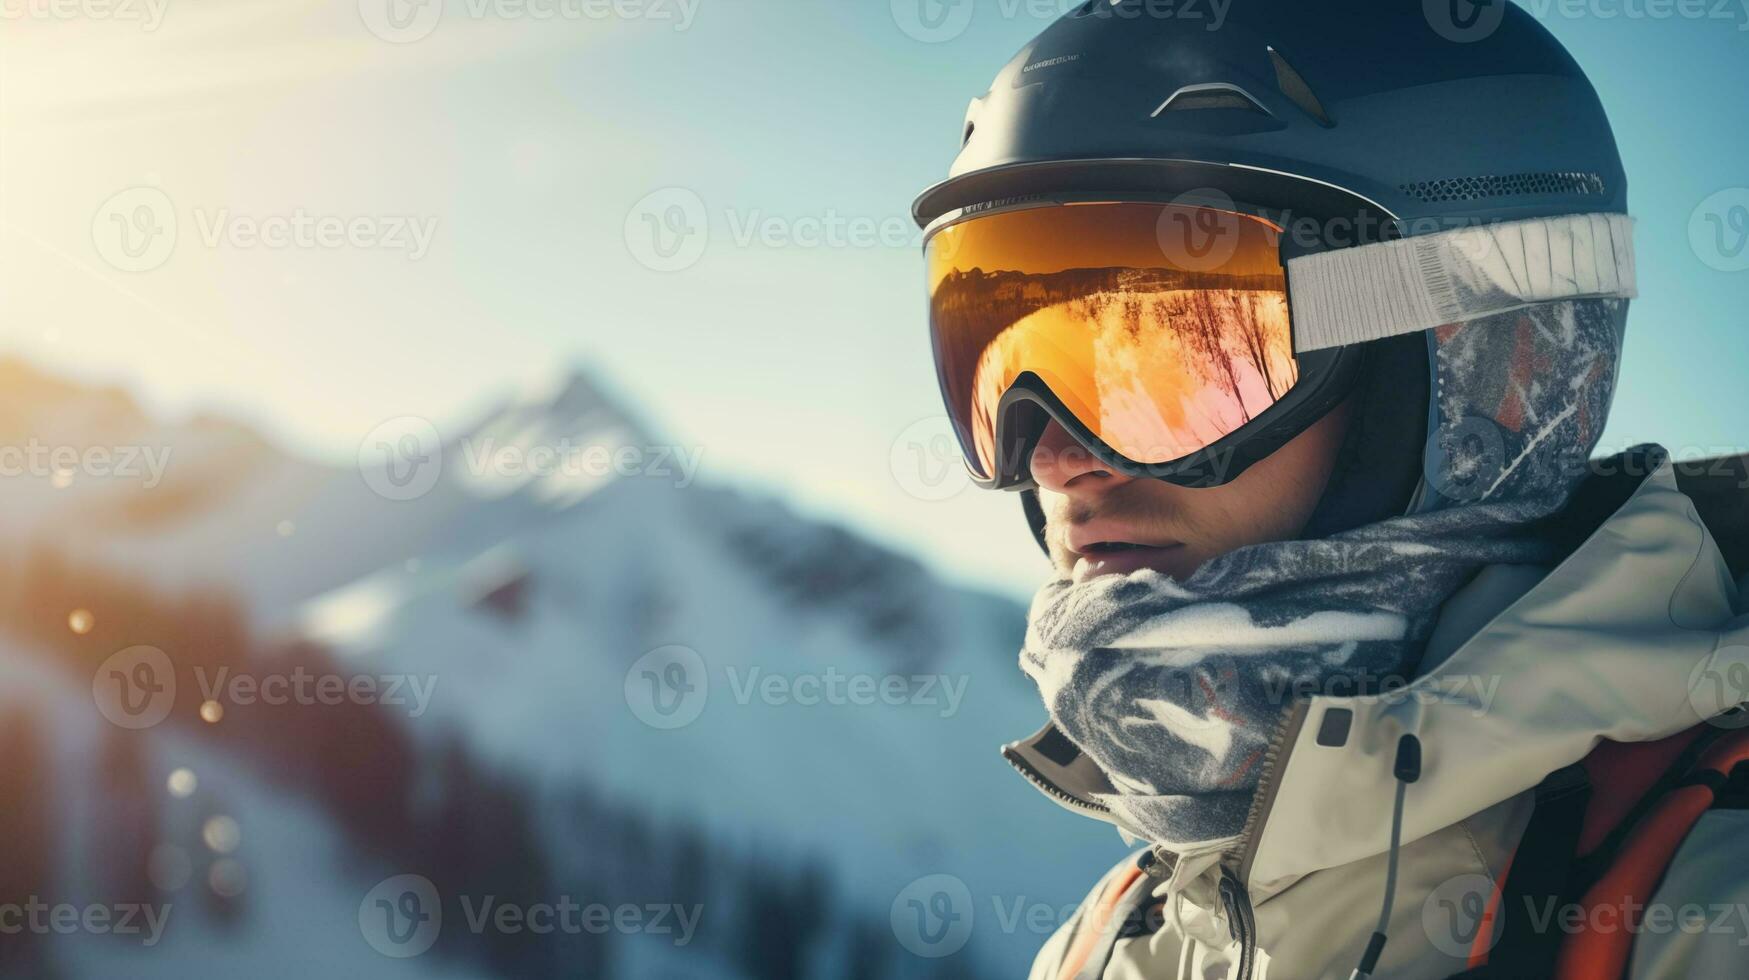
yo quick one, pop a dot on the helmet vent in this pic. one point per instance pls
(1216, 95)
(1294, 86)
(1503, 185)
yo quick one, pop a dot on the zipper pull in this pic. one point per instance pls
(1155, 863)
(1240, 922)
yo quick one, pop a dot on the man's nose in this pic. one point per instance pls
(1062, 465)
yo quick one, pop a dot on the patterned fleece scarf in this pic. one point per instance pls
(1175, 687)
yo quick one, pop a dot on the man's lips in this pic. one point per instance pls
(1106, 549)
(1095, 536)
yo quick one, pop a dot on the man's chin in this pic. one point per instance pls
(1173, 560)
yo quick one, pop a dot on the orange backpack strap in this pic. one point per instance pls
(1632, 878)
(1592, 820)
(1539, 874)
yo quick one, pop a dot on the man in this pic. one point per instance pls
(1296, 336)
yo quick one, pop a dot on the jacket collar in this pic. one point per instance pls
(1616, 642)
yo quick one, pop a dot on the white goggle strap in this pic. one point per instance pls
(1353, 295)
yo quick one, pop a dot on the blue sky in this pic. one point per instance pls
(791, 350)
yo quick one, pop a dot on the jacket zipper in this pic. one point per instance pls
(1244, 851)
(1236, 865)
(1241, 920)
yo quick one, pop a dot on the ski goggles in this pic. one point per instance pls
(1165, 337)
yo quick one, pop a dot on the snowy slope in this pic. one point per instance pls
(532, 606)
(297, 914)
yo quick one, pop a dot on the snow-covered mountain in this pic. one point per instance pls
(615, 684)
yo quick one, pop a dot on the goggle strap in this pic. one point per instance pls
(1370, 292)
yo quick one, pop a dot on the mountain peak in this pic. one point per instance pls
(575, 402)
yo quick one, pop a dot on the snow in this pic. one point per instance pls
(867, 744)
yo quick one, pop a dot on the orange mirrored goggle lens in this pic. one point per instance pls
(1161, 328)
